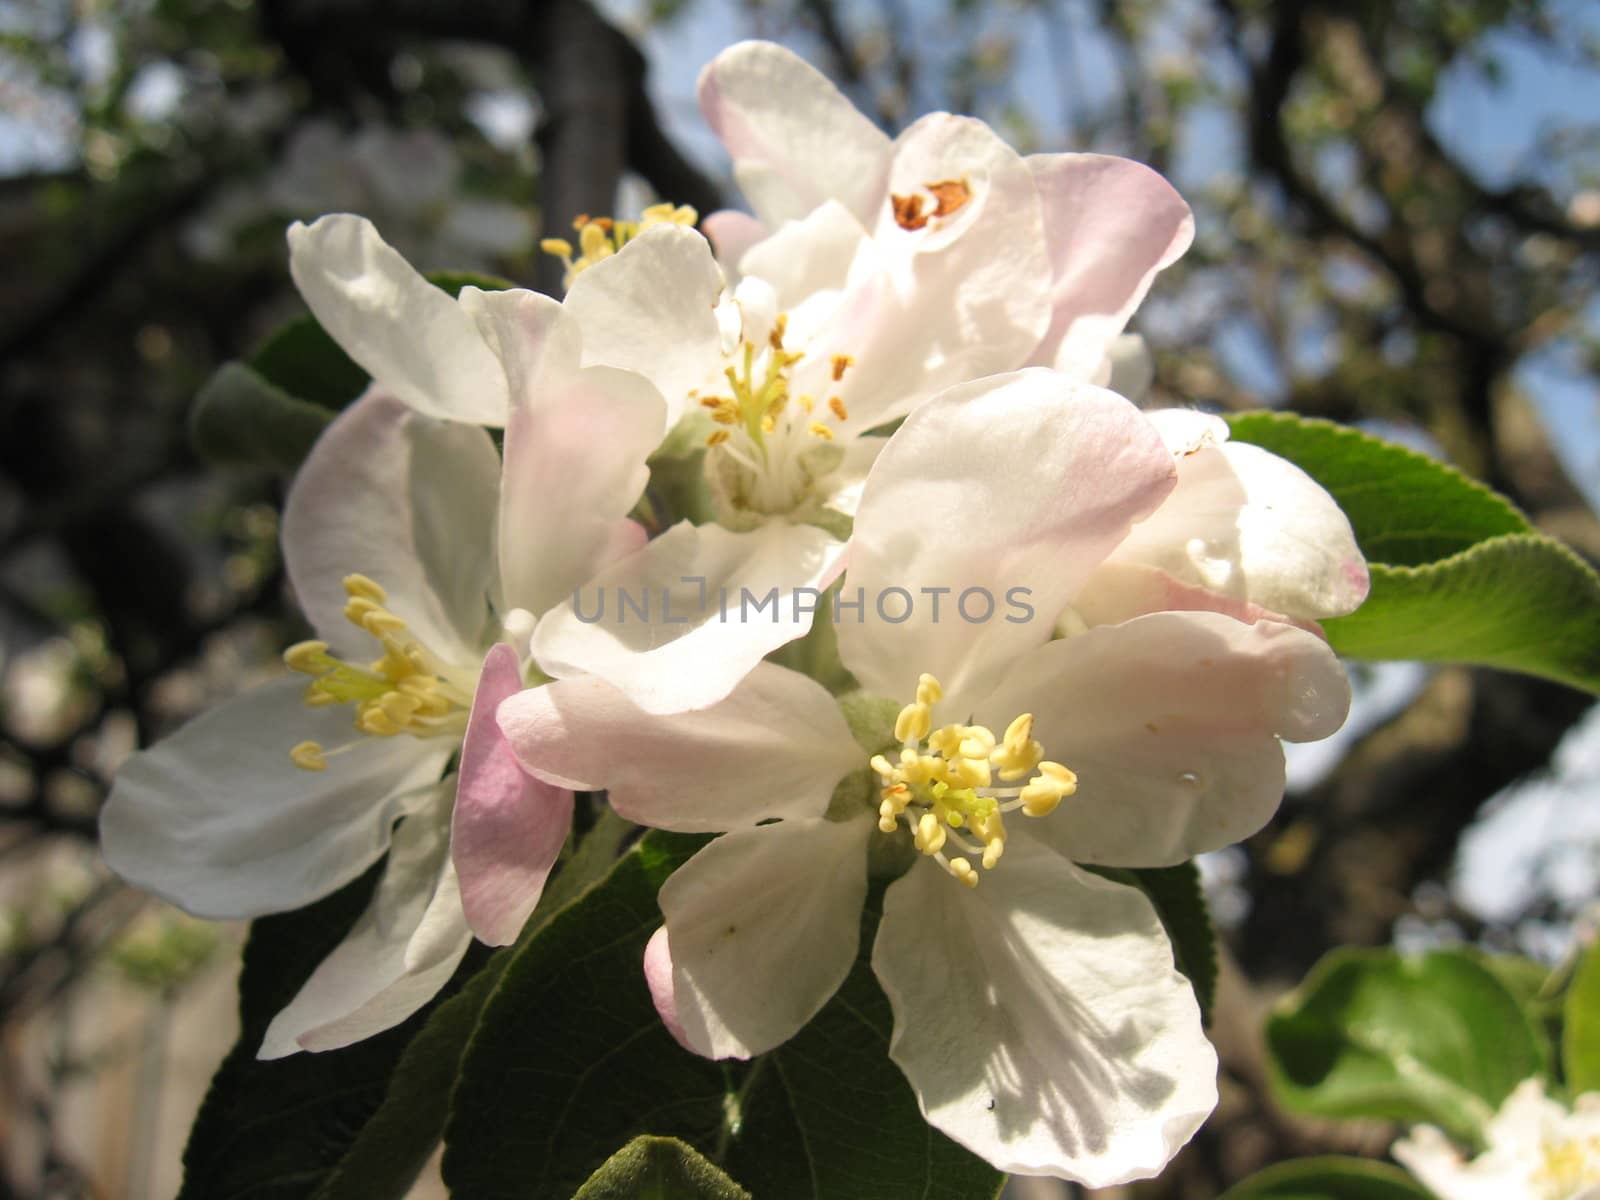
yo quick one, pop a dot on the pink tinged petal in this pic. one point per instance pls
(1171, 722)
(1186, 430)
(776, 747)
(1120, 591)
(410, 336)
(1040, 1019)
(965, 295)
(762, 928)
(730, 599)
(651, 308)
(1112, 224)
(731, 233)
(396, 957)
(588, 431)
(1249, 525)
(1014, 488)
(794, 138)
(508, 827)
(218, 821)
(410, 502)
(658, 978)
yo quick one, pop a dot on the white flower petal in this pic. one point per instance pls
(590, 429)
(651, 308)
(1041, 1021)
(964, 295)
(794, 138)
(399, 953)
(731, 233)
(762, 928)
(217, 820)
(731, 599)
(1014, 486)
(776, 747)
(410, 336)
(408, 501)
(1171, 722)
(1249, 525)
(1112, 223)
(808, 256)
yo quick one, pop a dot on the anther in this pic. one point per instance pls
(308, 757)
(361, 585)
(308, 658)
(841, 363)
(962, 870)
(837, 408)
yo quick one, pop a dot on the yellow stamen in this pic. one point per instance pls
(836, 406)
(841, 363)
(308, 757)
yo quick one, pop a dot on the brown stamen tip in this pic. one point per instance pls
(836, 405)
(841, 363)
(949, 195)
(908, 212)
(779, 328)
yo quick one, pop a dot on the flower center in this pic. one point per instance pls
(601, 237)
(770, 448)
(1568, 1165)
(405, 691)
(944, 782)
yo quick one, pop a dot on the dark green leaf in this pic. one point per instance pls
(1181, 904)
(1580, 1038)
(273, 1130)
(570, 1059)
(1458, 574)
(395, 1144)
(1330, 1178)
(454, 281)
(658, 1168)
(305, 362)
(242, 421)
(1369, 1033)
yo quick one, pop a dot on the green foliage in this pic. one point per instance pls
(274, 1130)
(302, 360)
(1330, 1178)
(1370, 1033)
(1580, 1037)
(240, 420)
(1181, 904)
(1458, 575)
(570, 1060)
(657, 1168)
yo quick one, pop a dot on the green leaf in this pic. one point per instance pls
(1330, 1178)
(1181, 904)
(240, 420)
(1435, 1038)
(395, 1144)
(273, 1130)
(1458, 574)
(570, 1059)
(658, 1168)
(301, 359)
(1580, 1037)
(454, 281)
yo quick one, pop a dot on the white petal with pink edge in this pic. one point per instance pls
(762, 928)
(776, 747)
(1171, 723)
(575, 449)
(1017, 485)
(408, 501)
(1247, 524)
(1111, 224)
(508, 827)
(678, 624)
(1040, 1020)
(217, 820)
(410, 336)
(794, 138)
(396, 957)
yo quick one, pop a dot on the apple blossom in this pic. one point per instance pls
(1037, 1012)
(1537, 1150)
(421, 561)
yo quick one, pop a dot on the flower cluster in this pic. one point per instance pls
(897, 373)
